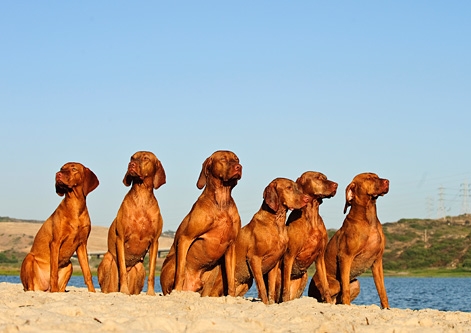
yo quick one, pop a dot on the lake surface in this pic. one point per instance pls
(445, 294)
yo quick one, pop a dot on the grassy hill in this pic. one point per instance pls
(414, 244)
(10, 219)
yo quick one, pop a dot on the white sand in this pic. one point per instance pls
(80, 311)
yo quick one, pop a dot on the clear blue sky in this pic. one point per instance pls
(338, 87)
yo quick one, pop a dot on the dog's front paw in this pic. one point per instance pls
(125, 290)
(150, 292)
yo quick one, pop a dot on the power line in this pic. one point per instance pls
(441, 203)
(464, 194)
(430, 207)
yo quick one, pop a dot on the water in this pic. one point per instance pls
(445, 294)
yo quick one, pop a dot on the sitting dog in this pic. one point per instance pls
(207, 234)
(47, 266)
(357, 245)
(307, 238)
(263, 241)
(135, 230)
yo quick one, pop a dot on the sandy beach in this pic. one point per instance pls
(80, 311)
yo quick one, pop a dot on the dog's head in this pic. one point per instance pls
(364, 188)
(316, 185)
(74, 175)
(145, 167)
(282, 192)
(222, 166)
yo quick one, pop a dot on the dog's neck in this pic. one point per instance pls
(75, 200)
(367, 211)
(142, 192)
(220, 193)
(279, 216)
(311, 212)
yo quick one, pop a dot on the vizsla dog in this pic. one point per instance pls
(263, 241)
(207, 234)
(47, 266)
(357, 245)
(307, 238)
(135, 230)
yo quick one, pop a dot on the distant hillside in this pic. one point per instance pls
(417, 244)
(10, 219)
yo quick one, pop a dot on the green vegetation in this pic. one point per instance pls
(10, 219)
(8, 258)
(428, 245)
(10, 262)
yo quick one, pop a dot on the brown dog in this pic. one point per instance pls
(358, 244)
(307, 238)
(262, 242)
(47, 266)
(207, 233)
(135, 230)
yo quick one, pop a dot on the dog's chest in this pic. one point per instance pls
(142, 228)
(212, 245)
(272, 245)
(75, 236)
(374, 243)
(310, 249)
(224, 227)
(372, 249)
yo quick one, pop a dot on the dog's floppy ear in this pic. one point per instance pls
(301, 180)
(127, 181)
(159, 177)
(204, 173)
(349, 196)
(271, 197)
(90, 181)
(305, 185)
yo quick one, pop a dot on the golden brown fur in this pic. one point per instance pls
(47, 266)
(358, 244)
(307, 238)
(261, 243)
(135, 230)
(206, 235)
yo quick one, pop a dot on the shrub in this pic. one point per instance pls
(4, 259)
